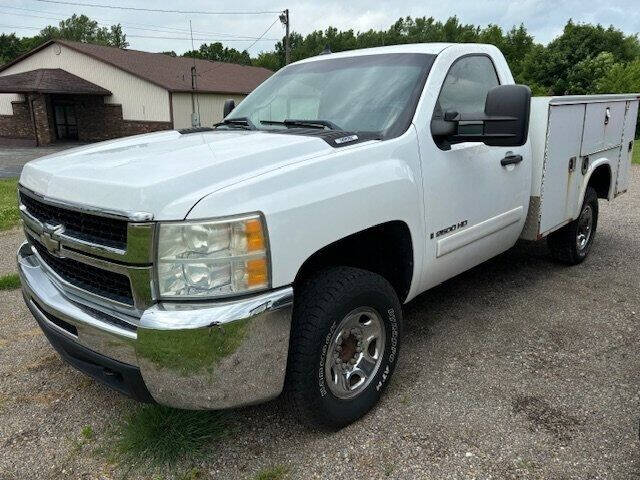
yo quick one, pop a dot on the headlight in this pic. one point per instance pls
(212, 258)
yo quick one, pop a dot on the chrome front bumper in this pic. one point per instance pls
(190, 355)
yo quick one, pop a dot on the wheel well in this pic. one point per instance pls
(601, 181)
(385, 249)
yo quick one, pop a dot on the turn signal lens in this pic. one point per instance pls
(255, 237)
(257, 274)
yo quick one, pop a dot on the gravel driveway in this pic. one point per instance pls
(520, 368)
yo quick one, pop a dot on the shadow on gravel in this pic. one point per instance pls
(526, 264)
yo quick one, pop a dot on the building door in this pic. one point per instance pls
(65, 121)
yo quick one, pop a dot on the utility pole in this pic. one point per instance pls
(284, 18)
(193, 91)
(195, 117)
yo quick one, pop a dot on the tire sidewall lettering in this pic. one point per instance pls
(393, 349)
(322, 382)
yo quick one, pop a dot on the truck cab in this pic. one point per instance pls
(272, 254)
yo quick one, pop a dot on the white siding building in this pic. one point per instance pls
(66, 90)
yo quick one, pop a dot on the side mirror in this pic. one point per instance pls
(229, 105)
(504, 123)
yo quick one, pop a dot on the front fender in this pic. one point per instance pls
(311, 204)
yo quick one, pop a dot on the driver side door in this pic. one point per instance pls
(475, 207)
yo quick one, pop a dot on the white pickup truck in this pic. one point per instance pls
(214, 268)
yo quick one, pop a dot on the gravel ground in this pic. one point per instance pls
(520, 368)
(9, 242)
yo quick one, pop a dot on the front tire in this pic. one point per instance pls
(572, 243)
(345, 341)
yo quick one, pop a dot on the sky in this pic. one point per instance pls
(544, 19)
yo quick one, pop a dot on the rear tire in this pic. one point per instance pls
(571, 244)
(345, 341)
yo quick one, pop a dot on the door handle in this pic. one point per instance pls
(511, 160)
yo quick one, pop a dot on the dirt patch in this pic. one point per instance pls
(543, 416)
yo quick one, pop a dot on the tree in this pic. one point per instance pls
(219, 53)
(584, 76)
(10, 47)
(516, 43)
(550, 66)
(268, 60)
(83, 29)
(620, 78)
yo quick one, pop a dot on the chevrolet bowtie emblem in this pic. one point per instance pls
(50, 237)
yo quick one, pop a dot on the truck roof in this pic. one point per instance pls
(429, 48)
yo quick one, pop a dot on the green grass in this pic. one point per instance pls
(155, 436)
(10, 282)
(278, 472)
(9, 216)
(191, 474)
(87, 432)
(636, 155)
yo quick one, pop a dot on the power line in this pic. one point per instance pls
(139, 9)
(21, 27)
(161, 30)
(25, 27)
(247, 49)
(263, 34)
(132, 26)
(201, 39)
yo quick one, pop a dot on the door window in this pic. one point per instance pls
(65, 121)
(466, 85)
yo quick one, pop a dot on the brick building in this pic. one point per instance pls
(67, 91)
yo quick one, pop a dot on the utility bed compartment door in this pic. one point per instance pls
(603, 124)
(559, 182)
(626, 149)
(568, 136)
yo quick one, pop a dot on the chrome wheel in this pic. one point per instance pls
(355, 353)
(585, 226)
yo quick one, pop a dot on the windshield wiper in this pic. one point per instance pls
(303, 123)
(242, 122)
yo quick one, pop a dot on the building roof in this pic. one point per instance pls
(49, 80)
(172, 73)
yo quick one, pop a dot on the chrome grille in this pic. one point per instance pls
(104, 283)
(104, 257)
(110, 232)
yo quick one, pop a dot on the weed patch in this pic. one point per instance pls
(10, 282)
(9, 214)
(277, 472)
(163, 436)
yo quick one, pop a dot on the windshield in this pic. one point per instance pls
(372, 93)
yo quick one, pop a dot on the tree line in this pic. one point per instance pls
(584, 59)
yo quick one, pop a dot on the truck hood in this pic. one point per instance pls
(163, 173)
